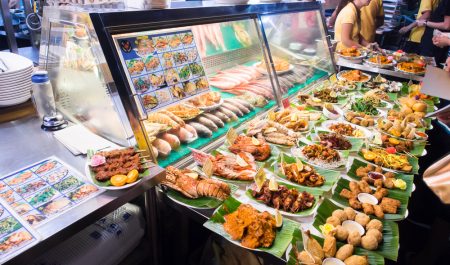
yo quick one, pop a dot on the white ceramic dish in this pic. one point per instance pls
(6, 103)
(353, 226)
(15, 63)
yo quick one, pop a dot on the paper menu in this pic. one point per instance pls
(163, 68)
(436, 82)
(44, 190)
(15, 234)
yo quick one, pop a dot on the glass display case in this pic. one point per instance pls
(176, 79)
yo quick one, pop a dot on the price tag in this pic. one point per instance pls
(208, 168)
(231, 136)
(286, 103)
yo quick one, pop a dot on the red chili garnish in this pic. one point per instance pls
(391, 150)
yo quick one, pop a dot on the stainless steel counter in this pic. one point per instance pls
(22, 142)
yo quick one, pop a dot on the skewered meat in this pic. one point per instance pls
(118, 162)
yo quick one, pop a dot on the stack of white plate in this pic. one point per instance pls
(15, 82)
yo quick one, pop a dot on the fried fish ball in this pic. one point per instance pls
(344, 252)
(333, 220)
(378, 211)
(367, 208)
(350, 213)
(356, 260)
(306, 258)
(364, 186)
(362, 219)
(354, 188)
(329, 246)
(354, 238)
(339, 214)
(388, 183)
(375, 233)
(375, 224)
(341, 233)
(354, 203)
(346, 194)
(369, 242)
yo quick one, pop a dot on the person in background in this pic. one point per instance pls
(424, 13)
(347, 28)
(439, 19)
(443, 41)
(372, 17)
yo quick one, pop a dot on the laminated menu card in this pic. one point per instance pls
(15, 234)
(44, 190)
(162, 68)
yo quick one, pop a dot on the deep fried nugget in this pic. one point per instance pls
(388, 183)
(354, 187)
(368, 208)
(378, 211)
(354, 203)
(391, 201)
(378, 170)
(388, 208)
(346, 194)
(361, 172)
(364, 186)
(389, 174)
(378, 183)
(380, 193)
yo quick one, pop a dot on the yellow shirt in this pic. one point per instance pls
(348, 15)
(417, 32)
(369, 16)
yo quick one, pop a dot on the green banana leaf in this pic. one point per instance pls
(403, 198)
(330, 176)
(316, 193)
(282, 239)
(357, 143)
(107, 183)
(409, 179)
(388, 248)
(297, 245)
(392, 96)
(199, 203)
(413, 161)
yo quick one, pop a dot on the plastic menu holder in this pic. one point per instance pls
(16, 235)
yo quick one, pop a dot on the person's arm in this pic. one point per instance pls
(332, 19)
(346, 34)
(445, 25)
(441, 41)
(363, 41)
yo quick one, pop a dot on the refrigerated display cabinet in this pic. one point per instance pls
(118, 71)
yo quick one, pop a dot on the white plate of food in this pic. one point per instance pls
(347, 129)
(103, 177)
(383, 63)
(353, 76)
(314, 154)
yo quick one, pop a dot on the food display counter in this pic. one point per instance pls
(260, 138)
(390, 64)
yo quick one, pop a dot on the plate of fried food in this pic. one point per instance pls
(353, 54)
(414, 68)
(281, 66)
(320, 156)
(359, 231)
(390, 160)
(347, 129)
(353, 76)
(380, 202)
(116, 169)
(307, 248)
(380, 61)
(233, 220)
(302, 174)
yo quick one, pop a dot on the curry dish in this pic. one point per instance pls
(411, 67)
(355, 76)
(350, 52)
(252, 228)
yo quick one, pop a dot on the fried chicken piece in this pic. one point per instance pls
(388, 208)
(354, 187)
(378, 211)
(388, 183)
(346, 194)
(364, 186)
(354, 203)
(367, 208)
(380, 193)
(391, 201)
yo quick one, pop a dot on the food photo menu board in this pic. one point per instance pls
(15, 234)
(44, 190)
(163, 68)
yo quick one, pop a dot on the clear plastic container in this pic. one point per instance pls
(42, 92)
